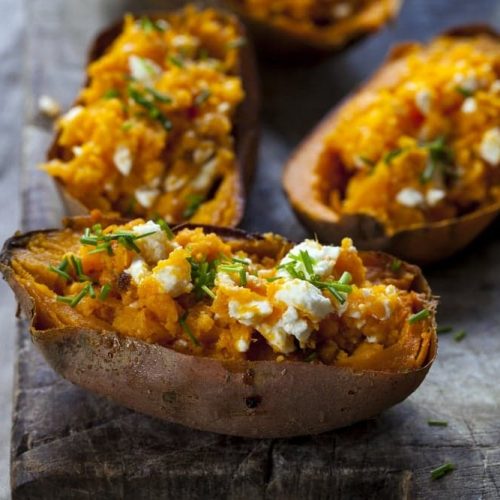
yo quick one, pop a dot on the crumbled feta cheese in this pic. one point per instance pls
(410, 197)
(280, 335)
(371, 339)
(367, 292)
(154, 182)
(203, 153)
(469, 105)
(184, 41)
(156, 246)
(495, 87)
(49, 106)
(173, 277)
(341, 10)
(434, 196)
(174, 183)
(122, 159)
(138, 270)
(77, 150)
(468, 82)
(242, 345)
(146, 196)
(144, 70)
(72, 114)
(423, 101)
(490, 146)
(387, 310)
(223, 107)
(305, 297)
(323, 258)
(202, 181)
(250, 313)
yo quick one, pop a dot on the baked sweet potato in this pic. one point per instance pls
(290, 29)
(224, 331)
(410, 163)
(166, 123)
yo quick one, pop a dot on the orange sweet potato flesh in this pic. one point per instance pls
(237, 397)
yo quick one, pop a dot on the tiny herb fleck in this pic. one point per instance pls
(237, 43)
(188, 331)
(176, 61)
(193, 203)
(103, 294)
(459, 336)
(165, 228)
(396, 265)
(437, 423)
(465, 92)
(444, 329)
(391, 155)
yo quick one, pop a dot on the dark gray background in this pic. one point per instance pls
(78, 439)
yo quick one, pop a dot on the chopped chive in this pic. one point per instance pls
(208, 291)
(66, 300)
(103, 247)
(188, 331)
(103, 294)
(166, 228)
(243, 276)
(240, 261)
(159, 96)
(176, 61)
(442, 470)
(274, 278)
(392, 154)
(91, 290)
(346, 278)
(459, 336)
(78, 267)
(77, 298)
(444, 329)
(307, 261)
(111, 94)
(367, 161)
(423, 314)
(60, 272)
(428, 172)
(126, 126)
(148, 25)
(202, 96)
(237, 43)
(153, 112)
(193, 204)
(89, 240)
(396, 265)
(437, 423)
(465, 92)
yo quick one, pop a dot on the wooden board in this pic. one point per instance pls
(67, 443)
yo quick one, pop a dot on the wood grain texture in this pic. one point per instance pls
(67, 443)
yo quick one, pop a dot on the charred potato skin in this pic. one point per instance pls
(422, 244)
(246, 123)
(280, 44)
(260, 399)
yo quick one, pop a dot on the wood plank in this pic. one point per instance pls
(70, 444)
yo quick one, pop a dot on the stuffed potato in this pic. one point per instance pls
(411, 163)
(287, 28)
(223, 331)
(166, 123)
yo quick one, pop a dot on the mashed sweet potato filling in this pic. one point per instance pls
(229, 297)
(151, 132)
(423, 144)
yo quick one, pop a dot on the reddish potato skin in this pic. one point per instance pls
(246, 123)
(260, 399)
(422, 244)
(278, 43)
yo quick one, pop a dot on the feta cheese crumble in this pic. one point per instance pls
(489, 148)
(146, 196)
(156, 246)
(410, 197)
(144, 70)
(138, 270)
(49, 106)
(122, 159)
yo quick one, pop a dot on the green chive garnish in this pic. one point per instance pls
(188, 331)
(441, 471)
(396, 265)
(202, 97)
(465, 92)
(193, 204)
(61, 269)
(459, 336)
(165, 228)
(423, 314)
(148, 25)
(437, 423)
(392, 154)
(111, 94)
(311, 357)
(444, 329)
(103, 294)
(176, 61)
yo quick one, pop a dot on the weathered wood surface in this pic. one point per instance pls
(67, 443)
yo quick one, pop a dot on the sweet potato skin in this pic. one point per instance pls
(422, 244)
(246, 130)
(263, 399)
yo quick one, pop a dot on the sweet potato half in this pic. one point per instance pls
(212, 194)
(318, 29)
(450, 152)
(266, 395)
